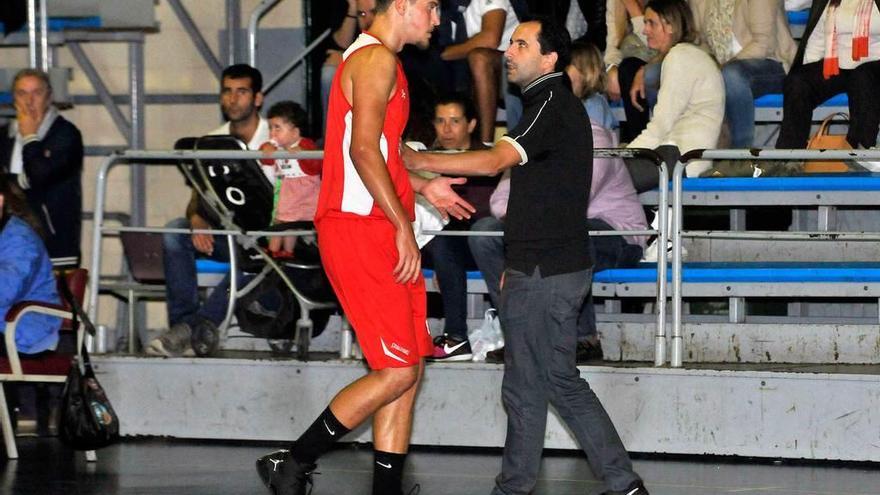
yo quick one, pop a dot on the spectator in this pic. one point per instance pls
(45, 153)
(358, 17)
(297, 182)
(588, 82)
(25, 273)
(839, 53)
(484, 30)
(626, 53)
(751, 41)
(690, 102)
(455, 121)
(240, 100)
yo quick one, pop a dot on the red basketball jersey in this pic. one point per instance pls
(342, 191)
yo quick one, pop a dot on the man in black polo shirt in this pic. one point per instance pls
(547, 264)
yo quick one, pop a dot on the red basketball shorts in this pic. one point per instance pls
(389, 318)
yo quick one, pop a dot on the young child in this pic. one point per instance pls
(297, 182)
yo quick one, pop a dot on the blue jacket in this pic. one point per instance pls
(26, 275)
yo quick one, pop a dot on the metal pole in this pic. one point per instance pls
(196, 36)
(138, 130)
(97, 226)
(233, 23)
(44, 36)
(100, 89)
(32, 33)
(138, 176)
(295, 62)
(253, 24)
(676, 358)
(662, 239)
(233, 287)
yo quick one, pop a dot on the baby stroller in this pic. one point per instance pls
(237, 194)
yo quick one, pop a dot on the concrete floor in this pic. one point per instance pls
(156, 466)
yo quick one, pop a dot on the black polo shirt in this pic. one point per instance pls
(546, 223)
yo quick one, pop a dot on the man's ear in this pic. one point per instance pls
(401, 5)
(550, 59)
(472, 124)
(258, 99)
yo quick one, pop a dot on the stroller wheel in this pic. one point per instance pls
(280, 346)
(205, 338)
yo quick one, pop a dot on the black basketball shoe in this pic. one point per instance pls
(636, 488)
(283, 474)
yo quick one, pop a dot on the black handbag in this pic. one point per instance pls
(87, 420)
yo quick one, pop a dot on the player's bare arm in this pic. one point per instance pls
(369, 82)
(481, 162)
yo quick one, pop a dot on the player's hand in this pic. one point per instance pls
(612, 88)
(438, 191)
(204, 243)
(637, 91)
(409, 258)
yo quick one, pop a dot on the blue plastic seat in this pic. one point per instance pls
(211, 266)
(856, 181)
(472, 275)
(774, 100)
(757, 272)
(797, 17)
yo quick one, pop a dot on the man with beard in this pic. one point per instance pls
(240, 100)
(548, 268)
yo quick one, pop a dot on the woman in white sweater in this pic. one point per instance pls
(690, 103)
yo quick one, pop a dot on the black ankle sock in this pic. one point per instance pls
(319, 438)
(387, 473)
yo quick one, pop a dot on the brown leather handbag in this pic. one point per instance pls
(824, 140)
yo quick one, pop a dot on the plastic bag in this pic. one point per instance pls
(487, 337)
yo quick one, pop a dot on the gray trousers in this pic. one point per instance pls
(539, 319)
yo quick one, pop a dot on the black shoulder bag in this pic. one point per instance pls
(87, 420)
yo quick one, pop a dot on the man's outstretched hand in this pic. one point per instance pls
(438, 191)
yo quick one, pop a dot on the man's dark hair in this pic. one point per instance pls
(467, 106)
(553, 37)
(290, 111)
(244, 71)
(382, 5)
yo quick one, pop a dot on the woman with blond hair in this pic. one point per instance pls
(588, 82)
(690, 102)
(626, 54)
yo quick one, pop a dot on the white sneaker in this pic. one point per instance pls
(650, 255)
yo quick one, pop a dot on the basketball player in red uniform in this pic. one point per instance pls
(369, 251)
